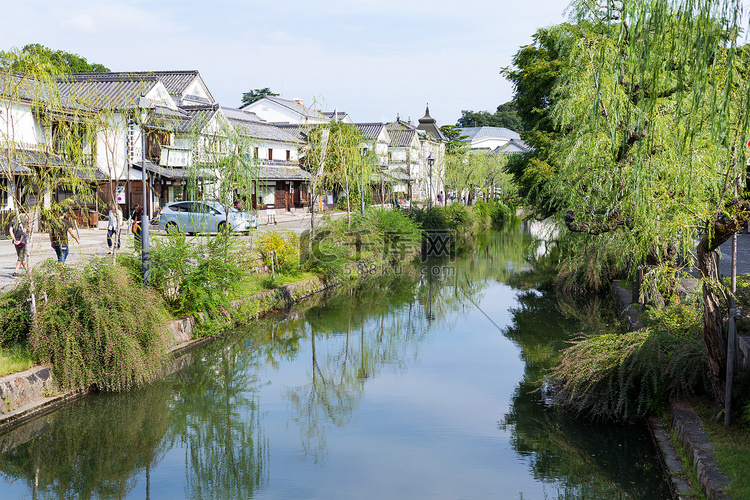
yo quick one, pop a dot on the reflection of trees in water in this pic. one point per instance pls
(363, 330)
(96, 447)
(579, 458)
(216, 418)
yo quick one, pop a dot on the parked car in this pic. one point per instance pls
(204, 217)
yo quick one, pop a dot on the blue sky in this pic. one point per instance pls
(372, 59)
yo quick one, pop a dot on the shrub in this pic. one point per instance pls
(279, 250)
(379, 237)
(200, 275)
(96, 325)
(15, 320)
(621, 377)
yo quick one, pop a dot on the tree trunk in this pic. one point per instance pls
(714, 336)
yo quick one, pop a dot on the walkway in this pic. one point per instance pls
(94, 242)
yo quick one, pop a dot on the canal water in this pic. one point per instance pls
(426, 384)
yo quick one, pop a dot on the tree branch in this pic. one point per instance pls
(614, 221)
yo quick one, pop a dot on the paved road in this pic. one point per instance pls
(94, 242)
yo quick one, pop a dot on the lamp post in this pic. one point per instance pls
(144, 105)
(430, 162)
(363, 153)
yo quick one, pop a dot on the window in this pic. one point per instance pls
(155, 139)
(255, 153)
(288, 155)
(270, 154)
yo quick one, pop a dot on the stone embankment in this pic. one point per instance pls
(685, 423)
(32, 393)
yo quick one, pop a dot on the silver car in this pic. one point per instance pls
(204, 217)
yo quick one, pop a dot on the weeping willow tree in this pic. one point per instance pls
(333, 155)
(46, 145)
(651, 109)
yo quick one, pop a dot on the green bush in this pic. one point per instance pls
(625, 376)
(381, 236)
(490, 213)
(96, 325)
(279, 250)
(199, 275)
(15, 320)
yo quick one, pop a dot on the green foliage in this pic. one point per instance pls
(491, 213)
(15, 320)
(379, 237)
(506, 116)
(456, 140)
(14, 359)
(256, 95)
(96, 325)
(279, 250)
(199, 275)
(66, 62)
(589, 265)
(614, 376)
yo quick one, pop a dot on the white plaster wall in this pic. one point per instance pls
(111, 147)
(17, 124)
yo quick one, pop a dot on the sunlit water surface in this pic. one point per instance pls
(425, 385)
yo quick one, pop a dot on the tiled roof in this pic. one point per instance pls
(513, 144)
(295, 106)
(402, 134)
(475, 133)
(175, 81)
(295, 130)
(429, 125)
(196, 117)
(250, 125)
(24, 158)
(171, 173)
(110, 91)
(282, 173)
(335, 115)
(370, 130)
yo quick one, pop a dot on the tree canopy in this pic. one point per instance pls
(640, 114)
(506, 116)
(256, 95)
(64, 62)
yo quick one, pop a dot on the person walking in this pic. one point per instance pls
(18, 235)
(114, 223)
(58, 236)
(135, 226)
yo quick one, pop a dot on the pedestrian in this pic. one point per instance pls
(18, 235)
(114, 223)
(58, 236)
(440, 198)
(135, 225)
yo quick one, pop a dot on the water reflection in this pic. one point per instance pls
(93, 448)
(408, 387)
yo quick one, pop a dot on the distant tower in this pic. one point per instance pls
(428, 124)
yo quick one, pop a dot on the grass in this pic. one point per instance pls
(15, 359)
(731, 449)
(688, 471)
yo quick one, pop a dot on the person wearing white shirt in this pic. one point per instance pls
(114, 224)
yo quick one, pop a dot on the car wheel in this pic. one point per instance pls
(171, 228)
(222, 227)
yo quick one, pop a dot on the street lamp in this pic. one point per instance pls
(430, 162)
(363, 154)
(145, 106)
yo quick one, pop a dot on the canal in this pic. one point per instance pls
(426, 383)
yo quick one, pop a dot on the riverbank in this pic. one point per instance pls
(31, 393)
(694, 467)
